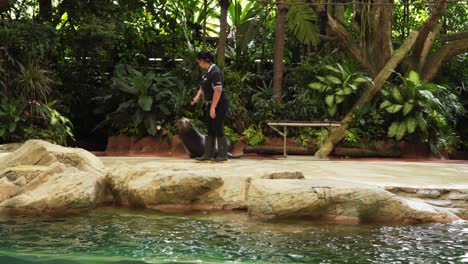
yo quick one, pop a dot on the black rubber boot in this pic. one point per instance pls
(222, 149)
(209, 147)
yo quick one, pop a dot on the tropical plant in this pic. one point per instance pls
(264, 106)
(254, 136)
(12, 114)
(45, 122)
(34, 81)
(338, 85)
(415, 105)
(233, 136)
(146, 100)
(305, 136)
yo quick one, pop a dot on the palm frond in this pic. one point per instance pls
(302, 23)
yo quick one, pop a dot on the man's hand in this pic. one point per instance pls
(213, 112)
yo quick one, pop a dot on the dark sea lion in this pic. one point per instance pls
(194, 141)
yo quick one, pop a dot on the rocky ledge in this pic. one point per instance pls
(42, 177)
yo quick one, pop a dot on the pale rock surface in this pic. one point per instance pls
(187, 186)
(40, 176)
(329, 199)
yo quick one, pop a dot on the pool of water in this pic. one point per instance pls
(110, 235)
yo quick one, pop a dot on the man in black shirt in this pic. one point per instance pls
(216, 107)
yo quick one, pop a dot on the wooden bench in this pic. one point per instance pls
(274, 124)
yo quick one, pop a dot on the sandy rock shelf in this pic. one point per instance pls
(42, 177)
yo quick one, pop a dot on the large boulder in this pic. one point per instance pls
(327, 199)
(187, 185)
(41, 176)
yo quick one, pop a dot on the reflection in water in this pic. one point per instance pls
(126, 236)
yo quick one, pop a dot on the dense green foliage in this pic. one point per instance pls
(128, 67)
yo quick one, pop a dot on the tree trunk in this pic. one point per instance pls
(427, 46)
(437, 11)
(372, 89)
(222, 42)
(4, 5)
(45, 10)
(455, 36)
(448, 51)
(205, 13)
(377, 35)
(279, 49)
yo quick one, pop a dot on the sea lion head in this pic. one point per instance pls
(184, 124)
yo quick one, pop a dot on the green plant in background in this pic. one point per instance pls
(146, 100)
(45, 122)
(305, 136)
(424, 106)
(411, 104)
(370, 123)
(233, 136)
(237, 83)
(35, 82)
(21, 121)
(12, 115)
(352, 137)
(338, 85)
(254, 136)
(264, 106)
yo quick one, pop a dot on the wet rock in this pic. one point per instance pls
(338, 200)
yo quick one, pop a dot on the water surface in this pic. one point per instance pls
(111, 235)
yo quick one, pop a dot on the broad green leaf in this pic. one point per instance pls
(348, 90)
(422, 123)
(360, 80)
(385, 104)
(397, 95)
(322, 79)
(53, 121)
(401, 130)
(12, 127)
(414, 77)
(393, 129)
(332, 68)
(333, 79)
(340, 92)
(148, 79)
(411, 124)
(332, 110)
(124, 87)
(145, 102)
(316, 85)
(330, 100)
(339, 99)
(394, 108)
(426, 94)
(137, 117)
(407, 108)
(139, 84)
(354, 87)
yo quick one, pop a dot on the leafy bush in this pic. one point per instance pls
(21, 121)
(12, 115)
(144, 101)
(424, 107)
(254, 136)
(233, 136)
(338, 85)
(305, 136)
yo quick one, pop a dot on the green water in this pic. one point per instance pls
(125, 236)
